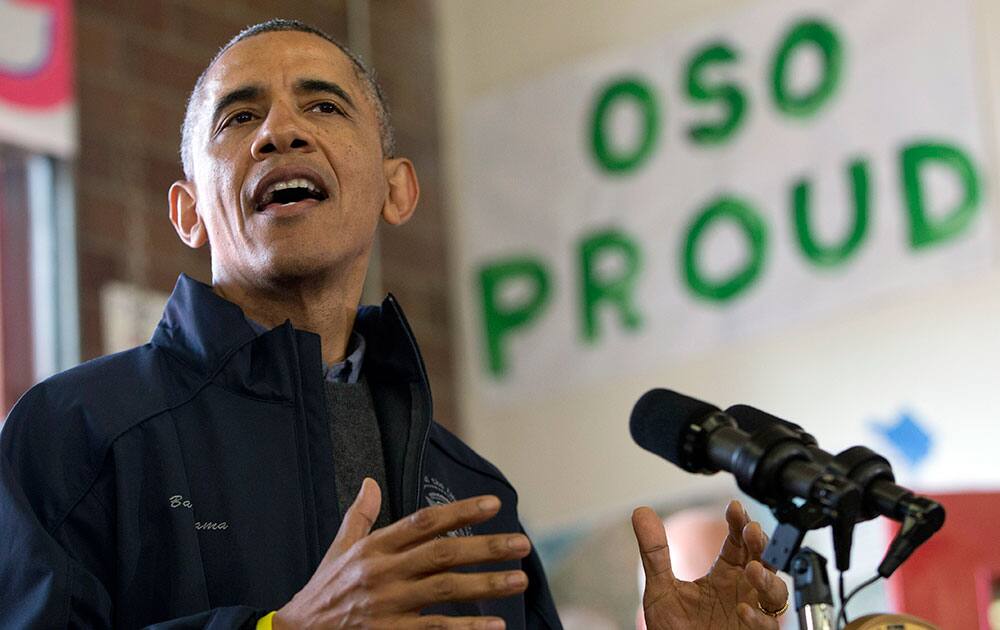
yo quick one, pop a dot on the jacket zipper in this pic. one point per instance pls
(425, 382)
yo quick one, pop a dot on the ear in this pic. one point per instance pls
(404, 191)
(184, 213)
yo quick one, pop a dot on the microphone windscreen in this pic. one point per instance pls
(750, 419)
(660, 419)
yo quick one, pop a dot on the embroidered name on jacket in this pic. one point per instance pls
(178, 501)
(436, 493)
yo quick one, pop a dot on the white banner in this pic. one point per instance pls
(37, 106)
(788, 161)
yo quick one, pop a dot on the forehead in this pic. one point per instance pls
(276, 60)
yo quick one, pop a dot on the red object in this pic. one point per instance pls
(952, 578)
(51, 83)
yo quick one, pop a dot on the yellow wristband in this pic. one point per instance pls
(264, 623)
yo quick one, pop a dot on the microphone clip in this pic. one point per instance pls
(834, 501)
(923, 518)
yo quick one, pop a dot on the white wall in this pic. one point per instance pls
(937, 350)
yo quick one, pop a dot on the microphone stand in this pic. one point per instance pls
(814, 600)
(784, 552)
(813, 597)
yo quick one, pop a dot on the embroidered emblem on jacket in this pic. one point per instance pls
(436, 493)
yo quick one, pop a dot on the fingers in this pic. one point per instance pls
(755, 540)
(755, 619)
(359, 518)
(436, 622)
(771, 589)
(429, 522)
(652, 539)
(734, 549)
(442, 554)
(458, 587)
(771, 593)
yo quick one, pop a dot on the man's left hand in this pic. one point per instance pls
(730, 597)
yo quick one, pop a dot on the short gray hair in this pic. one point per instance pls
(364, 74)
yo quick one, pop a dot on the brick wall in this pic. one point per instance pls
(415, 257)
(16, 361)
(136, 63)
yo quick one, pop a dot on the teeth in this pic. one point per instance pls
(299, 182)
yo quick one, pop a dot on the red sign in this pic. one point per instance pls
(43, 79)
(952, 580)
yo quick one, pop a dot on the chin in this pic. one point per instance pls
(283, 268)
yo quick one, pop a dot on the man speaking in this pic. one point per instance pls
(268, 458)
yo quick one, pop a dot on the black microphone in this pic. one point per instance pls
(752, 420)
(772, 465)
(921, 516)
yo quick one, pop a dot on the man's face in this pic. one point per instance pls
(289, 178)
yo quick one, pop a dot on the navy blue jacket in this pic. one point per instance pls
(190, 482)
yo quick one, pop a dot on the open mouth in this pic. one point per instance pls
(290, 191)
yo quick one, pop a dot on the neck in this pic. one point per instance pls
(320, 305)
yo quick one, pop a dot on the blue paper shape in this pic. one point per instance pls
(911, 440)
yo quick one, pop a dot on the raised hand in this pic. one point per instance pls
(383, 579)
(730, 597)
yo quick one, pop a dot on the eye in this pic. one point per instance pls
(239, 118)
(328, 107)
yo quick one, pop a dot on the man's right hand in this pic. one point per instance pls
(384, 579)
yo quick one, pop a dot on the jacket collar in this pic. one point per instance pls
(202, 329)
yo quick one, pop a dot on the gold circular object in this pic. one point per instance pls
(773, 613)
(890, 622)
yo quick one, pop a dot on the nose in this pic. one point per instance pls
(281, 132)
